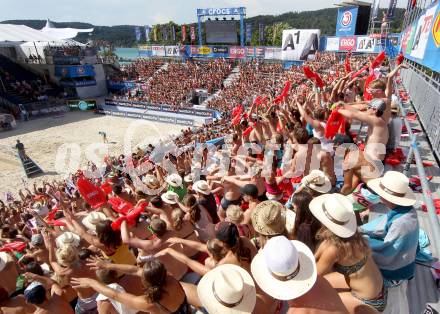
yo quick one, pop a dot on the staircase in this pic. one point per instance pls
(235, 73)
(31, 169)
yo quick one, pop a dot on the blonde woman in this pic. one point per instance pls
(344, 256)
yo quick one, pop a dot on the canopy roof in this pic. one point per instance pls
(63, 33)
(21, 33)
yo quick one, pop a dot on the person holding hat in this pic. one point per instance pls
(206, 199)
(343, 249)
(286, 271)
(176, 185)
(394, 236)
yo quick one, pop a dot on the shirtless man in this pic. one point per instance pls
(376, 115)
(15, 305)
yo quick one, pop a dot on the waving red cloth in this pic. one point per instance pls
(367, 95)
(92, 194)
(362, 70)
(237, 110)
(107, 187)
(131, 216)
(378, 61)
(120, 205)
(16, 246)
(399, 59)
(335, 124)
(247, 131)
(347, 65)
(314, 77)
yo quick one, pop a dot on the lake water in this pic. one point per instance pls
(127, 53)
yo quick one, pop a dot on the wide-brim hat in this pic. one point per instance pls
(67, 238)
(4, 258)
(170, 197)
(268, 218)
(151, 181)
(202, 186)
(189, 178)
(92, 219)
(317, 181)
(394, 187)
(227, 282)
(335, 212)
(301, 281)
(174, 180)
(274, 197)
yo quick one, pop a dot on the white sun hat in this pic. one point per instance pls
(317, 181)
(92, 219)
(335, 212)
(4, 259)
(284, 269)
(174, 180)
(67, 238)
(151, 181)
(394, 187)
(202, 186)
(189, 178)
(227, 289)
(170, 197)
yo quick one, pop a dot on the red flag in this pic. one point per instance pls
(367, 95)
(362, 70)
(335, 124)
(193, 33)
(106, 187)
(120, 205)
(314, 77)
(16, 246)
(247, 131)
(347, 65)
(378, 61)
(131, 216)
(92, 194)
(399, 59)
(183, 33)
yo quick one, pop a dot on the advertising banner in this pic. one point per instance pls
(392, 9)
(423, 32)
(183, 32)
(250, 52)
(237, 52)
(365, 44)
(158, 51)
(375, 9)
(137, 33)
(147, 33)
(272, 53)
(220, 11)
(172, 51)
(300, 44)
(73, 71)
(347, 43)
(248, 32)
(145, 51)
(220, 49)
(332, 44)
(193, 33)
(346, 22)
(259, 52)
(422, 39)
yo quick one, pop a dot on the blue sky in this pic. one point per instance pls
(147, 12)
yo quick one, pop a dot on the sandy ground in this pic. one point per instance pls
(60, 145)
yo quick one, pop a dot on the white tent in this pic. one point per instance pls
(63, 33)
(20, 33)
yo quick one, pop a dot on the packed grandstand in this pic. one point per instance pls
(293, 187)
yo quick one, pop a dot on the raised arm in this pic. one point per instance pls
(197, 267)
(96, 263)
(201, 247)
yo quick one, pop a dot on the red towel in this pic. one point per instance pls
(92, 194)
(335, 124)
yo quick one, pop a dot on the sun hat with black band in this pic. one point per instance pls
(335, 212)
(317, 181)
(284, 269)
(393, 187)
(227, 289)
(202, 186)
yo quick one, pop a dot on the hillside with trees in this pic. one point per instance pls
(124, 35)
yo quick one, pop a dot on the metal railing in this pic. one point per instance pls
(425, 97)
(414, 154)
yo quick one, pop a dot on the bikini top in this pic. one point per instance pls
(348, 270)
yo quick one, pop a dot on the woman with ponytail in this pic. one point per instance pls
(163, 293)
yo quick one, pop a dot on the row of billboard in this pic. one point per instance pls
(161, 108)
(233, 52)
(421, 40)
(147, 116)
(362, 44)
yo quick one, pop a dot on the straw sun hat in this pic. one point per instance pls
(170, 197)
(92, 219)
(284, 269)
(317, 181)
(202, 186)
(227, 289)
(335, 211)
(268, 218)
(393, 187)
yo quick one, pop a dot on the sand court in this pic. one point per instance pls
(59, 145)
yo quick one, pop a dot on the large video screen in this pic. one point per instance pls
(221, 32)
